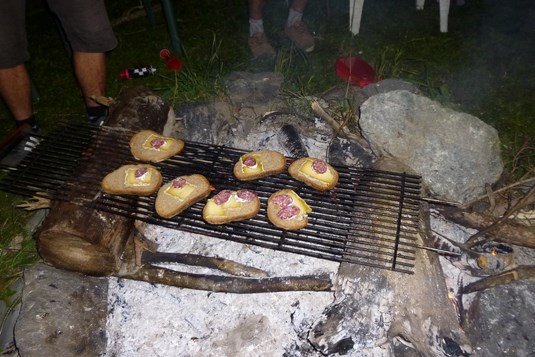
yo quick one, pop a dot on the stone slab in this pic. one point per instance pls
(62, 314)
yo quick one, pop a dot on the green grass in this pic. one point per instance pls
(483, 66)
(17, 249)
(395, 38)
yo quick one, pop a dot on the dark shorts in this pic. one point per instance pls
(85, 23)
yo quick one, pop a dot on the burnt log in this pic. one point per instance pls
(224, 265)
(219, 283)
(85, 240)
(373, 308)
(508, 231)
(507, 277)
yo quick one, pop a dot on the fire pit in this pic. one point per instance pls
(373, 219)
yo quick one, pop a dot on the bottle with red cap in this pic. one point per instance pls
(137, 72)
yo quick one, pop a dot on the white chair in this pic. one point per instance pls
(355, 14)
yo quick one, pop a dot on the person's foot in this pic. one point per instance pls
(17, 153)
(97, 121)
(260, 46)
(298, 33)
(97, 115)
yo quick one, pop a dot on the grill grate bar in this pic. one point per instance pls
(370, 218)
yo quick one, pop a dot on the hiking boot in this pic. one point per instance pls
(259, 45)
(298, 33)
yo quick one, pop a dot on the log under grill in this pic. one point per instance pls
(370, 218)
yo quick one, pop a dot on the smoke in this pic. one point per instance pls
(499, 49)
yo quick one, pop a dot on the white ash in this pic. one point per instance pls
(315, 134)
(157, 320)
(276, 263)
(524, 256)
(456, 272)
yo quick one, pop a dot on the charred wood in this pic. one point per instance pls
(227, 284)
(224, 265)
(508, 231)
(373, 307)
(510, 276)
(89, 241)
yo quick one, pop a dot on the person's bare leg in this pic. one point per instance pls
(299, 5)
(256, 9)
(15, 88)
(90, 70)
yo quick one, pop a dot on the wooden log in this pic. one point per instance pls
(228, 284)
(508, 231)
(507, 277)
(139, 108)
(130, 269)
(373, 306)
(89, 241)
(224, 265)
(83, 240)
(526, 200)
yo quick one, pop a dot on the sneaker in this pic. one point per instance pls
(97, 115)
(300, 36)
(97, 120)
(259, 45)
(26, 145)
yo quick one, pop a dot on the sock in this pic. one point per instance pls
(97, 113)
(293, 17)
(28, 121)
(255, 26)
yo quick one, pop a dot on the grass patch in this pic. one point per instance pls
(17, 248)
(400, 42)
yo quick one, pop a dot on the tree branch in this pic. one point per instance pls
(520, 273)
(227, 284)
(529, 198)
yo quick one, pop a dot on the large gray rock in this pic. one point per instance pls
(500, 321)
(62, 314)
(384, 86)
(455, 153)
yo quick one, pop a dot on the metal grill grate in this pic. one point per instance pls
(370, 218)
